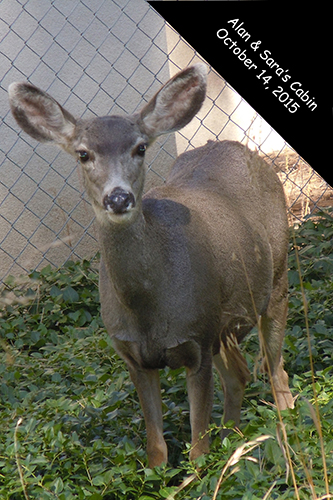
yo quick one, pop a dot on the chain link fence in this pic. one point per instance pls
(99, 57)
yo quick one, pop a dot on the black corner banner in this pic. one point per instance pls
(276, 56)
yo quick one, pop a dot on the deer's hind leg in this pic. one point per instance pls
(271, 331)
(234, 375)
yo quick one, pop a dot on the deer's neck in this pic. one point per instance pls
(128, 253)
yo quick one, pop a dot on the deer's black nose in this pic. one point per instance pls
(119, 201)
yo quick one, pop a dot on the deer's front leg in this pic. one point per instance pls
(147, 383)
(200, 387)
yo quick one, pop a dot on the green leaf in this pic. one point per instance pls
(70, 295)
(146, 497)
(56, 377)
(98, 481)
(58, 485)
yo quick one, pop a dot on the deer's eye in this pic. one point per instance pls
(83, 156)
(141, 149)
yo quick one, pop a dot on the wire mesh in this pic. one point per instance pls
(100, 57)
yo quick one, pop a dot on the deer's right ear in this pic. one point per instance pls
(39, 115)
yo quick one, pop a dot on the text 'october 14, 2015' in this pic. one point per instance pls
(262, 65)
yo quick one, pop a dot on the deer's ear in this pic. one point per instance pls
(39, 115)
(176, 103)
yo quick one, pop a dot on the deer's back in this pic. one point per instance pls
(229, 169)
(225, 181)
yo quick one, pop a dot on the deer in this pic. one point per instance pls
(188, 268)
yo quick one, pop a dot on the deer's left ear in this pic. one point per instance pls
(39, 115)
(176, 103)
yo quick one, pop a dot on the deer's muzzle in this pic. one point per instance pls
(119, 201)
